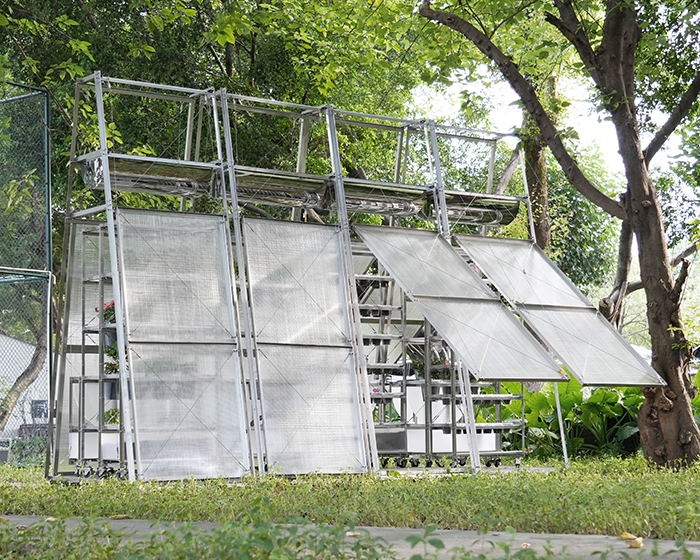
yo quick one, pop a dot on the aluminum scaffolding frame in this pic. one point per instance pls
(310, 347)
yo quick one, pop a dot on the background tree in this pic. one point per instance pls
(606, 37)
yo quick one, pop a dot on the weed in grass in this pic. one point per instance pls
(253, 537)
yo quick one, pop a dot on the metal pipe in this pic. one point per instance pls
(470, 420)
(351, 292)
(116, 289)
(561, 425)
(439, 200)
(250, 345)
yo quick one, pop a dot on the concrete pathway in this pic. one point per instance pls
(492, 544)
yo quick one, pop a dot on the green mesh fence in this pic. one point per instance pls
(24, 281)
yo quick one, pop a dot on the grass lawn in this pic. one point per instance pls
(594, 496)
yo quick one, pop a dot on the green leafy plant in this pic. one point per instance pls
(600, 421)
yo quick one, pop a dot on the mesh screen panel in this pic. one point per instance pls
(424, 261)
(24, 178)
(302, 300)
(593, 351)
(25, 210)
(311, 409)
(176, 286)
(521, 271)
(587, 343)
(189, 412)
(308, 375)
(490, 340)
(476, 325)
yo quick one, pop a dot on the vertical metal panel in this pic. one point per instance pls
(307, 366)
(190, 416)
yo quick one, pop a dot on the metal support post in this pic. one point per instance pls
(350, 290)
(250, 350)
(530, 218)
(116, 288)
(302, 152)
(469, 418)
(561, 425)
(439, 197)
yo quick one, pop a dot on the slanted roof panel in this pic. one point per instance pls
(473, 321)
(565, 320)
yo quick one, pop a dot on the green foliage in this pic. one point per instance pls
(667, 60)
(252, 536)
(584, 239)
(29, 451)
(675, 195)
(596, 422)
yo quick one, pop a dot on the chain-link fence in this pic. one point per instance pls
(25, 255)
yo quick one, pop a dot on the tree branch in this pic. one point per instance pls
(217, 59)
(529, 98)
(570, 27)
(617, 51)
(680, 280)
(91, 18)
(675, 261)
(508, 172)
(678, 114)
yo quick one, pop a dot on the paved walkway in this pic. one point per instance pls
(567, 547)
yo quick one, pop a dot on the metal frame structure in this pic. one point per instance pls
(313, 171)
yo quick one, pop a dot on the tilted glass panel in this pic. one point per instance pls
(424, 261)
(312, 415)
(521, 271)
(596, 354)
(490, 340)
(176, 283)
(295, 280)
(475, 324)
(188, 411)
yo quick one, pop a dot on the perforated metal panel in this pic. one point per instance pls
(486, 336)
(593, 351)
(568, 323)
(311, 409)
(188, 403)
(522, 272)
(307, 368)
(296, 271)
(177, 286)
(188, 411)
(424, 262)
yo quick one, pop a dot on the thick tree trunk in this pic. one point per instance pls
(669, 434)
(668, 430)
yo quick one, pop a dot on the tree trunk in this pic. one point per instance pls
(611, 306)
(26, 378)
(536, 174)
(668, 432)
